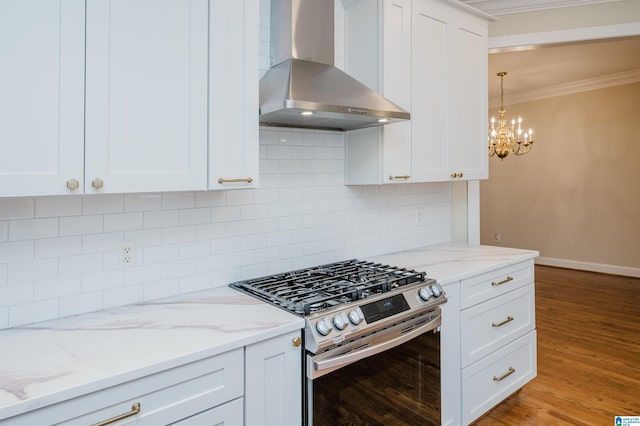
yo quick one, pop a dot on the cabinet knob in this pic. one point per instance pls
(297, 341)
(97, 183)
(73, 184)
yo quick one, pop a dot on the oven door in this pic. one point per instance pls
(391, 377)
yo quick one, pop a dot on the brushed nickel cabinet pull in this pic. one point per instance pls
(506, 280)
(505, 375)
(135, 409)
(247, 180)
(405, 177)
(500, 324)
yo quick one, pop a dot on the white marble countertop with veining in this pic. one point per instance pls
(52, 361)
(452, 262)
(49, 362)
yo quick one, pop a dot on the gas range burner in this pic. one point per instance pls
(311, 290)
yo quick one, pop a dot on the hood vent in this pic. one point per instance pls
(303, 88)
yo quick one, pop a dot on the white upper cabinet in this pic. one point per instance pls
(41, 97)
(163, 97)
(146, 95)
(446, 78)
(233, 94)
(380, 59)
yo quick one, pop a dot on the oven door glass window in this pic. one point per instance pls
(400, 386)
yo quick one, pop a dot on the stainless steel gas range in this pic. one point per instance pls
(371, 340)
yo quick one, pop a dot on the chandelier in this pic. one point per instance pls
(507, 138)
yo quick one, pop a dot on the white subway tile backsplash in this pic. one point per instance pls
(4, 231)
(81, 303)
(16, 251)
(57, 287)
(80, 225)
(178, 200)
(29, 229)
(58, 206)
(143, 274)
(33, 312)
(161, 254)
(195, 283)
(4, 318)
(83, 264)
(240, 227)
(16, 294)
(195, 249)
(103, 203)
(142, 202)
(210, 199)
(160, 219)
(157, 289)
(102, 280)
(216, 262)
(195, 216)
(56, 247)
(123, 222)
(123, 296)
(98, 243)
(178, 268)
(211, 231)
(16, 208)
(3, 274)
(178, 234)
(145, 238)
(32, 270)
(240, 197)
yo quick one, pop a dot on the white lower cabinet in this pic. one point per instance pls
(273, 386)
(488, 341)
(256, 385)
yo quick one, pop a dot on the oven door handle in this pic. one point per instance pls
(341, 360)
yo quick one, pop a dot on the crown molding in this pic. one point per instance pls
(611, 80)
(505, 7)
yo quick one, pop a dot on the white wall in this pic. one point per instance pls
(58, 255)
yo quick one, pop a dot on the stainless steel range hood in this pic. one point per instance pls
(303, 88)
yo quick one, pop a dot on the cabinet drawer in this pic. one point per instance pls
(229, 414)
(491, 284)
(494, 323)
(492, 379)
(164, 397)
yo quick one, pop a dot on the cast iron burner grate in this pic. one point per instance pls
(310, 290)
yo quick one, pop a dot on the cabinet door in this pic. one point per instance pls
(41, 96)
(233, 94)
(429, 114)
(396, 86)
(273, 382)
(469, 100)
(146, 95)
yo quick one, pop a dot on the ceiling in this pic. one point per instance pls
(536, 72)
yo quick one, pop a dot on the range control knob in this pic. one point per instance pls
(355, 317)
(437, 291)
(341, 321)
(425, 293)
(324, 326)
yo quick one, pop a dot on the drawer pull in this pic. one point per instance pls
(506, 280)
(500, 324)
(135, 409)
(505, 375)
(405, 177)
(247, 180)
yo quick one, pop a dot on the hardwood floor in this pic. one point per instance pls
(588, 352)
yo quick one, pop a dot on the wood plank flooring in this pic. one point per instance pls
(588, 352)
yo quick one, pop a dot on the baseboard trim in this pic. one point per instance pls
(589, 266)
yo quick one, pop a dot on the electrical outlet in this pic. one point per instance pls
(496, 237)
(127, 253)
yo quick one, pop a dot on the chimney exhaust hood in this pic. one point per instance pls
(303, 88)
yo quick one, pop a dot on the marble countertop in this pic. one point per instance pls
(452, 262)
(49, 362)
